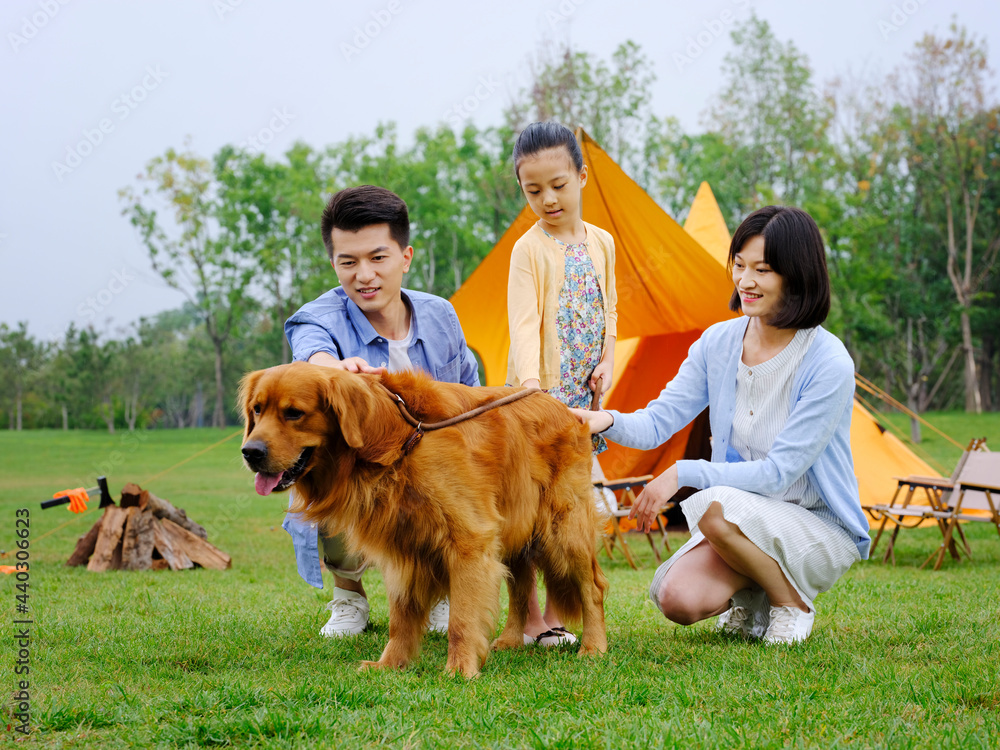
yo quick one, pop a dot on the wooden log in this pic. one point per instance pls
(137, 543)
(163, 509)
(160, 564)
(112, 526)
(176, 558)
(116, 553)
(197, 549)
(85, 546)
(132, 496)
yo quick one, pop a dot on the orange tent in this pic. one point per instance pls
(672, 284)
(705, 223)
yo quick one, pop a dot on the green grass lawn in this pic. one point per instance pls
(900, 657)
(959, 426)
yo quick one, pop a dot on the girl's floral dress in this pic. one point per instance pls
(580, 325)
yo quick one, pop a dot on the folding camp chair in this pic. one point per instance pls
(617, 535)
(978, 490)
(902, 515)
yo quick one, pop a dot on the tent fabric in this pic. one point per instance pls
(704, 222)
(879, 456)
(672, 285)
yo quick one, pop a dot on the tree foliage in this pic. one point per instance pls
(195, 245)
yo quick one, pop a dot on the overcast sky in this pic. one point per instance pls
(135, 78)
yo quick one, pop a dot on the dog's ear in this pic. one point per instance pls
(248, 385)
(370, 425)
(347, 398)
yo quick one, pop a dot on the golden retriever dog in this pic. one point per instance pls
(468, 506)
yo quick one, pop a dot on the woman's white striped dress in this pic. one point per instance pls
(794, 527)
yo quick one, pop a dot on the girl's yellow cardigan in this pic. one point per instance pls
(537, 272)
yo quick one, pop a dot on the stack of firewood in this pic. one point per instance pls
(145, 532)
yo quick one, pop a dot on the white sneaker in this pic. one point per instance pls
(349, 614)
(437, 620)
(749, 614)
(735, 620)
(788, 625)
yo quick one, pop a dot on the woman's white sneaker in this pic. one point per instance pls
(748, 615)
(348, 614)
(735, 620)
(789, 625)
(437, 620)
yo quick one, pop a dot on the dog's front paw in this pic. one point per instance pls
(468, 670)
(592, 650)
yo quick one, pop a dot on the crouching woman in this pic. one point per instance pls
(777, 519)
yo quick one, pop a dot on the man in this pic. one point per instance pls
(367, 324)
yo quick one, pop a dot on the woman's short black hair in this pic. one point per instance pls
(355, 208)
(793, 248)
(539, 136)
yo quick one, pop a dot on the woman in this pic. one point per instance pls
(778, 519)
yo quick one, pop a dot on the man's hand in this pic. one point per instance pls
(654, 498)
(596, 421)
(531, 383)
(351, 364)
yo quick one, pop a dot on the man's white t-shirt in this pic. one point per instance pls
(399, 359)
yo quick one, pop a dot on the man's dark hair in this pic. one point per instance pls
(541, 136)
(793, 248)
(353, 209)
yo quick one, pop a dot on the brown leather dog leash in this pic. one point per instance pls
(420, 427)
(595, 403)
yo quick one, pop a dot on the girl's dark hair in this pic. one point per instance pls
(353, 209)
(793, 248)
(539, 136)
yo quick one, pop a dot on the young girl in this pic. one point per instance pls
(777, 519)
(560, 297)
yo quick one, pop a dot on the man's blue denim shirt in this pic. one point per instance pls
(334, 324)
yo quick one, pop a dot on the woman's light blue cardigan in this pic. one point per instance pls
(816, 439)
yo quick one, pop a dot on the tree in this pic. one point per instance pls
(197, 251)
(89, 368)
(272, 211)
(175, 360)
(497, 197)
(62, 381)
(678, 162)
(948, 110)
(610, 101)
(20, 357)
(773, 118)
(874, 258)
(455, 194)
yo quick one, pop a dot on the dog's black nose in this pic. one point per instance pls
(254, 451)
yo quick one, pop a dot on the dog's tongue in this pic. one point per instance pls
(267, 482)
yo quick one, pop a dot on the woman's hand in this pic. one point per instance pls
(532, 383)
(596, 421)
(654, 498)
